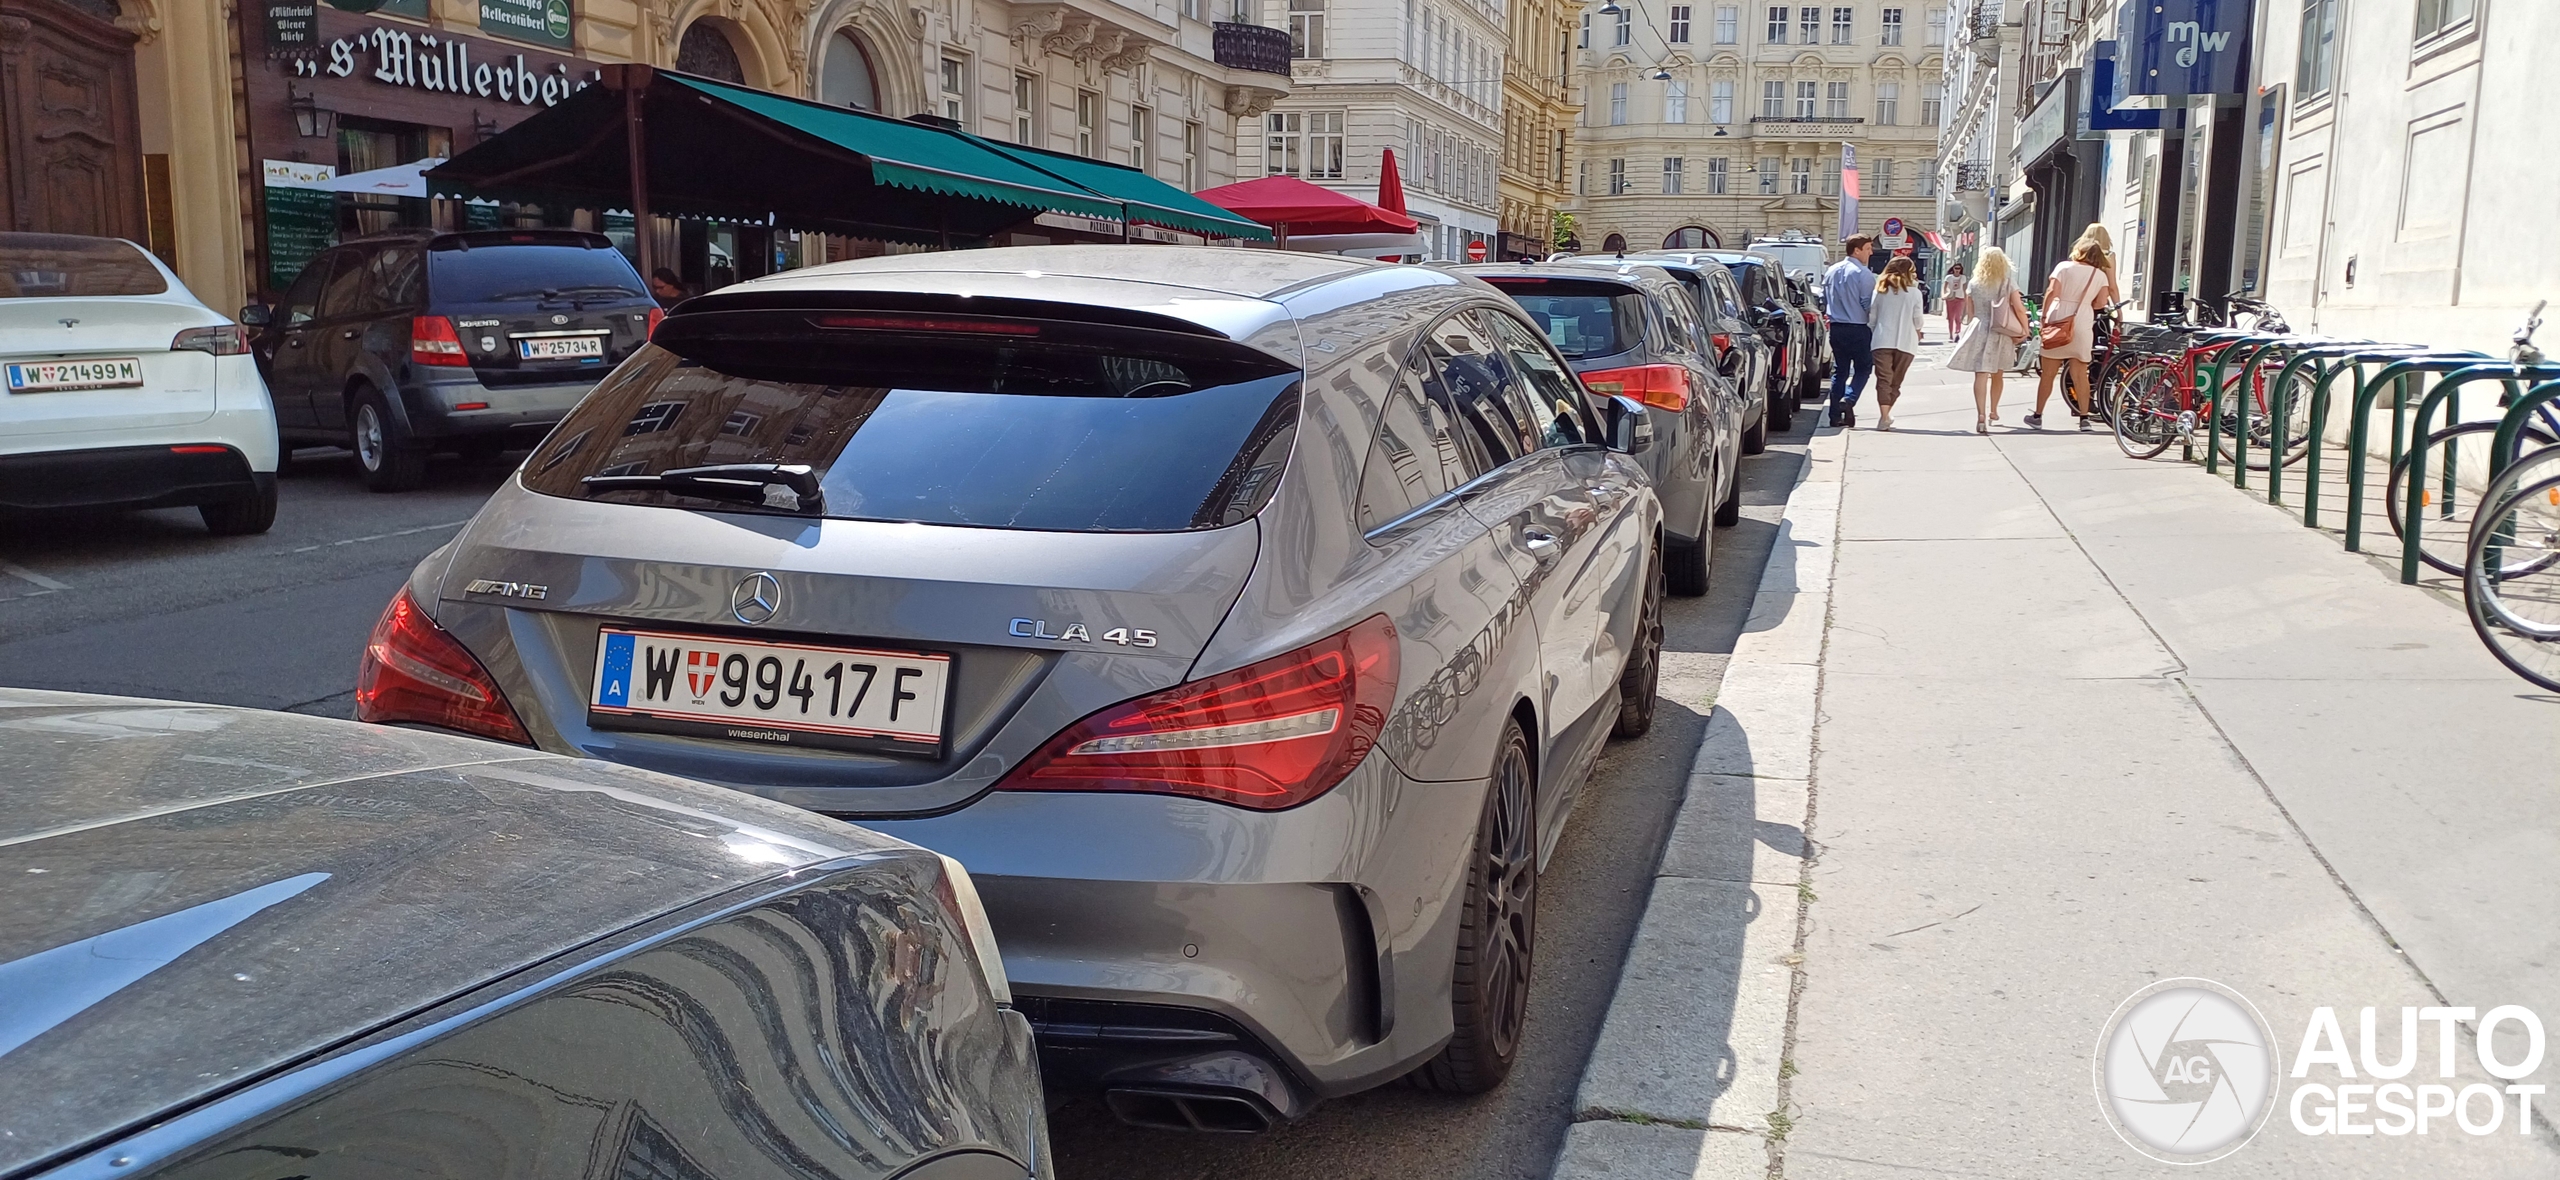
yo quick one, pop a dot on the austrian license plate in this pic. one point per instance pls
(560, 348)
(783, 694)
(116, 372)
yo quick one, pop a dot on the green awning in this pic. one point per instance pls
(1148, 199)
(914, 155)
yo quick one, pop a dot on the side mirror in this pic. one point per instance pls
(256, 315)
(1630, 430)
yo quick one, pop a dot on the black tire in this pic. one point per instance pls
(1641, 681)
(1497, 932)
(244, 517)
(2445, 535)
(1782, 414)
(2517, 613)
(2146, 417)
(1685, 564)
(385, 455)
(1729, 510)
(1755, 437)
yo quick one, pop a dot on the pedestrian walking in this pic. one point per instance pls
(1848, 290)
(2077, 286)
(1898, 314)
(666, 287)
(1954, 297)
(1991, 341)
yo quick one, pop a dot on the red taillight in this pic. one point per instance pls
(222, 340)
(1269, 735)
(911, 323)
(1723, 343)
(413, 671)
(656, 314)
(1666, 386)
(432, 341)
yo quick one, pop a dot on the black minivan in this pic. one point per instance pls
(479, 342)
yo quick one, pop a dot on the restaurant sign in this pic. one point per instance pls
(543, 22)
(424, 61)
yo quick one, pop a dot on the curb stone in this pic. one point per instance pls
(1686, 1070)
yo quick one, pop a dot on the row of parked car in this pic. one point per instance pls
(1245, 623)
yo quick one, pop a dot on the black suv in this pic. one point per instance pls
(478, 342)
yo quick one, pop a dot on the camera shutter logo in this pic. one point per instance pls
(2186, 1071)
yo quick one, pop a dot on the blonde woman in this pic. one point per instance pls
(2106, 261)
(2077, 286)
(1895, 320)
(1990, 343)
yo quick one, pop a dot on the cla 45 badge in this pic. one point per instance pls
(1076, 633)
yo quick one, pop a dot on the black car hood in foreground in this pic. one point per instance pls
(193, 895)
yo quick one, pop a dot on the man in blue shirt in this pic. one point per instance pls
(1848, 291)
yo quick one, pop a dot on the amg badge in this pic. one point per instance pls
(507, 589)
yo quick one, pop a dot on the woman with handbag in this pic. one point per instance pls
(2076, 287)
(1990, 343)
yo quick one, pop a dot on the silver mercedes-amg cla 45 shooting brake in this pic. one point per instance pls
(1245, 621)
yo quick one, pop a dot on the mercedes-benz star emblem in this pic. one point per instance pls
(756, 599)
(559, 319)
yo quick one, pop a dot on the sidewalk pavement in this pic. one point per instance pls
(2055, 725)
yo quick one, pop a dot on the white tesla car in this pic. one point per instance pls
(119, 389)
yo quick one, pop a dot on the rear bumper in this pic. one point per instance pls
(1150, 934)
(522, 413)
(126, 477)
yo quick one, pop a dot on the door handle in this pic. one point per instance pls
(349, 334)
(293, 341)
(1541, 545)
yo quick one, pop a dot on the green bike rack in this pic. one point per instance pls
(2221, 343)
(2502, 448)
(2448, 393)
(2251, 347)
(2314, 353)
(2400, 369)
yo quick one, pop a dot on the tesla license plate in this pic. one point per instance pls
(560, 348)
(117, 372)
(782, 694)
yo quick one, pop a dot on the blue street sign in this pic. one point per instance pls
(2182, 47)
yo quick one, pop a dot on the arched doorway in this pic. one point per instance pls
(1692, 237)
(845, 78)
(1614, 244)
(707, 50)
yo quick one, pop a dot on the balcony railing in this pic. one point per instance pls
(1973, 177)
(1251, 47)
(1808, 118)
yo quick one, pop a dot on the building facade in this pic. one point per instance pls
(1537, 121)
(1715, 122)
(1421, 77)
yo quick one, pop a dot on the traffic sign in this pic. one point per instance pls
(1475, 250)
(1894, 238)
(1893, 227)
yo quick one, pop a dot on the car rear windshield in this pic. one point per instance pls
(1004, 423)
(529, 272)
(1580, 317)
(53, 266)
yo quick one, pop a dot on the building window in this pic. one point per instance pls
(1193, 8)
(1728, 24)
(1675, 102)
(1888, 103)
(1626, 29)
(1883, 186)
(1778, 24)
(1191, 157)
(1679, 24)
(1284, 135)
(1617, 104)
(2434, 16)
(1835, 100)
(1088, 115)
(1324, 145)
(1933, 97)
(1831, 176)
(1585, 42)
(1800, 176)
(1306, 28)
(1843, 25)
(1582, 179)
(848, 80)
(1809, 25)
(1937, 26)
(2318, 67)
(1142, 131)
(1773, 100)
(1720, 102)
(1672, 168)
(1617, 178)
(1808, 94)
(1026, 109)
(955, 89)
(1889, 32)
(1928, 177)
(1768, 176)
(1716, 175)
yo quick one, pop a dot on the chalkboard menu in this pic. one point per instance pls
(302, 217)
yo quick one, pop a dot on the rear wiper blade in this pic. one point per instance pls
(788, 487)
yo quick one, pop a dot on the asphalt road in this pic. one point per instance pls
(148, 604)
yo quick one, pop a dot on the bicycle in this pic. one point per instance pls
(2445, 530)
(2511, 573)
(2157, 405)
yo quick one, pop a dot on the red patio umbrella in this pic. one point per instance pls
(1302, 208)
(1390, 185)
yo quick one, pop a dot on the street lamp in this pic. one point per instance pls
(1611, 8)
(310, 119)
(1661, 75)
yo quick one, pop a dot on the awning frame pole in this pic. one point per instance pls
(635, 84)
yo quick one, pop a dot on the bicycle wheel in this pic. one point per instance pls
(2517, 614)
(2445, 516)
(2109, 379)
(2530, 467)
(2262, 425)
(2147, 416)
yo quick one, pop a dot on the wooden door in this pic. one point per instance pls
(70, 141)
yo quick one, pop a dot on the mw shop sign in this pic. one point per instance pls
(444, 65)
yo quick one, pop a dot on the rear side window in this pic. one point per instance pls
(1580, 317)
(343, 294)
(1011, 423)
(529, 272)
(54, 266)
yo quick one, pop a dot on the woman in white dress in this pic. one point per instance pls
(1990, 343)
(2077, 286)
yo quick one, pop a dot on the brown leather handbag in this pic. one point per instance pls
(2057, 334)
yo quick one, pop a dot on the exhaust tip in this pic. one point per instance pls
(1175, 1110)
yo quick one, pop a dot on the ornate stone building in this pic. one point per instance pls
(1720, 120)
(1537, 117)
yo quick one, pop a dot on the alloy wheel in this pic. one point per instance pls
(1510, 903)
(368, 432)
